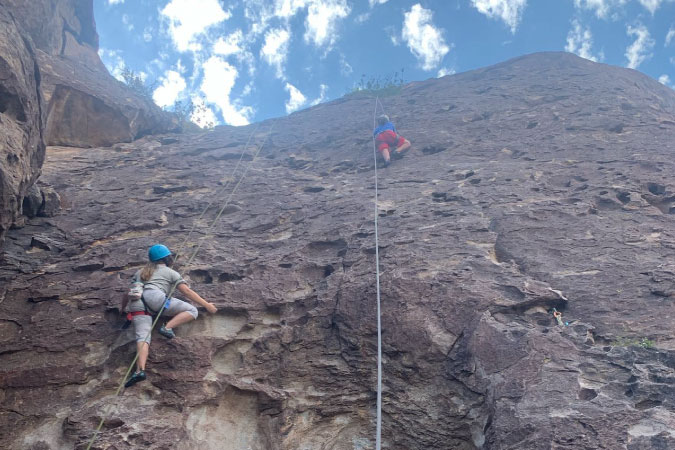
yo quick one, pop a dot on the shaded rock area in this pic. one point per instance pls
(85, 105)
(41, 201)
(22, 148)
(543, 182)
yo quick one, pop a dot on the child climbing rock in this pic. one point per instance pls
(158, 279)
(386, 137)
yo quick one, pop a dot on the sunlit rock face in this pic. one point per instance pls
(22, 148)
(543, 182)
(85, 106)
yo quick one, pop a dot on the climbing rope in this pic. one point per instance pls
(557, 315)
(378, 426)
(192, 257)
(182, 245)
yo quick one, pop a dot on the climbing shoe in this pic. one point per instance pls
(386, 163)
(167, 332)
(135, 378)
(398, 155)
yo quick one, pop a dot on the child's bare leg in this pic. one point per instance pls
(405, 146)
(143, 349)
(179, 319)
(385, 154)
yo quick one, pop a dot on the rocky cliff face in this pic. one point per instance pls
(54, 89)
(22, 148)
(540, 183)
(86, 107)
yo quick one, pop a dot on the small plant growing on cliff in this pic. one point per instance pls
(184, 110)
(634, 342)
(136, 83)
(379, 85)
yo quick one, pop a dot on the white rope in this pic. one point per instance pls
(378, 426)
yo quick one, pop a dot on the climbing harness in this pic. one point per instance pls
(378, 426)
(187, 264)
(132, 314)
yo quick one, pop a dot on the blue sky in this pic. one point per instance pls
(249, 60)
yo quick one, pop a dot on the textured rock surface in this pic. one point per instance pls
(22, 147)
(41, 201)
(538, 183)
(86, 107)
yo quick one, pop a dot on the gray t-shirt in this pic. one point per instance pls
(163, 279)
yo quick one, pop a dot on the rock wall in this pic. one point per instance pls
(86, 107)
(55, 90)
(22, 148)
(59, 27)
(540, 183)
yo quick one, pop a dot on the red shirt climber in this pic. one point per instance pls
(386, 137)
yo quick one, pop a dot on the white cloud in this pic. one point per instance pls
(188, 19)
(377, 2)
(670, 36)
(322, 95)
(296, 99)
(653, 5)
(235, 44)
(127, 22)
(580, 41)
(217, 84)
(247, 89)
(345, 68)
(258, 13)
(664, 79)
(321, 22)
(229, 45)
(115, 2)
(147, 34)
(362, 18)
(113, 62)
(602, 8)
(443, 71)
(288, 8)
(424, 40)
(509, 11)
(275, 49)
(171, 86)
(640, 49)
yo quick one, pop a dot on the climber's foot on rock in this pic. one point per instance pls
(167, 332)
(399, 154)
(135, 378)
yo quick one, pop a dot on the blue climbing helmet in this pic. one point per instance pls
(158, 251)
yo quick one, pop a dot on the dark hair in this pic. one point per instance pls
(382, 119)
